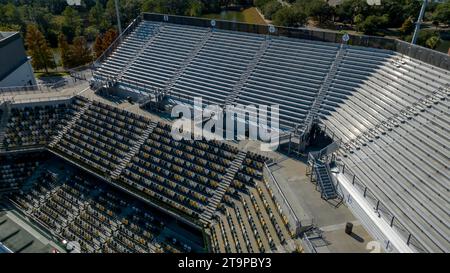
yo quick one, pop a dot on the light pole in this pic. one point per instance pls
(419, 22)
(118, 18)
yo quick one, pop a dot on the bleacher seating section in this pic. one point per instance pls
(126, 50)
(403, 161)
(407, 169)
(15, 170)
(249, 197)
(368, 88)
(289, 74)
(99, 218)
(102, 136)
(33, 126)
(182, 174)
(372, 86)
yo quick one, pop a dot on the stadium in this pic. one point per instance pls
(363, 146)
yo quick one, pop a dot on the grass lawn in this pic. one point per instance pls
(249, 15)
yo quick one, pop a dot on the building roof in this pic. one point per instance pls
(7, 34)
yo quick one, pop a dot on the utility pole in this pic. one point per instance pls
(118, 18)
(419, 22)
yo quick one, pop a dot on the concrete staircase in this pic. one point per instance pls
(69, 125)
(244, 77)
(134, 150)
(214, 201)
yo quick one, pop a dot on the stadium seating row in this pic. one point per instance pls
(249, 219)
(183, 174)
(407, 169)
(102, 136)
(15, 171)
(33, 126)
(372, 86)
(98, 218)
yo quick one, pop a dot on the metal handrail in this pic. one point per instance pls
(386, 212)
(119, 38)
(283, 197)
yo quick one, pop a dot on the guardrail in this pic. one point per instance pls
(40, 88)
(325, 152)
(83, 72)
(382, 210)
(309, 245)
(294, 223)
(116, 42)
(35, 100)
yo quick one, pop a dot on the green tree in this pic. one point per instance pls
(195, 8)
(80, 51)
(372, 24)
(97, 17)
(64, 51)
(177, 7)
(130, 9)
(270, 8)
(358, 19)
(318, 9)
(407, 26)
(40, 52)
(110, 12)
(348, 8)
(433, 42)
(90, 33)
(290, 17)
(261, 3)
(11, 14)
(442, 13)
(71, 26)
(42, 17)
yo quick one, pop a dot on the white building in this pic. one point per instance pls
(15, 65)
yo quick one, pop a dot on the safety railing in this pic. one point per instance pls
(117, 41)
(381, 209)
(281, 200)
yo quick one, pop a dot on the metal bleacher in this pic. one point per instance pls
(407, 170)
(127, 49)
(289, 74)
(223, 67)
(372, 86)
(389, 111)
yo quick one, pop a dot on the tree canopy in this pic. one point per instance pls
(40, 52)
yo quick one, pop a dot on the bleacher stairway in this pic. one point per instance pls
(139, 53)
(187, 61)
(324, 180)
(214, 201)
(134, 150)
(244, 77)
(69, 124)
(306, 127)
